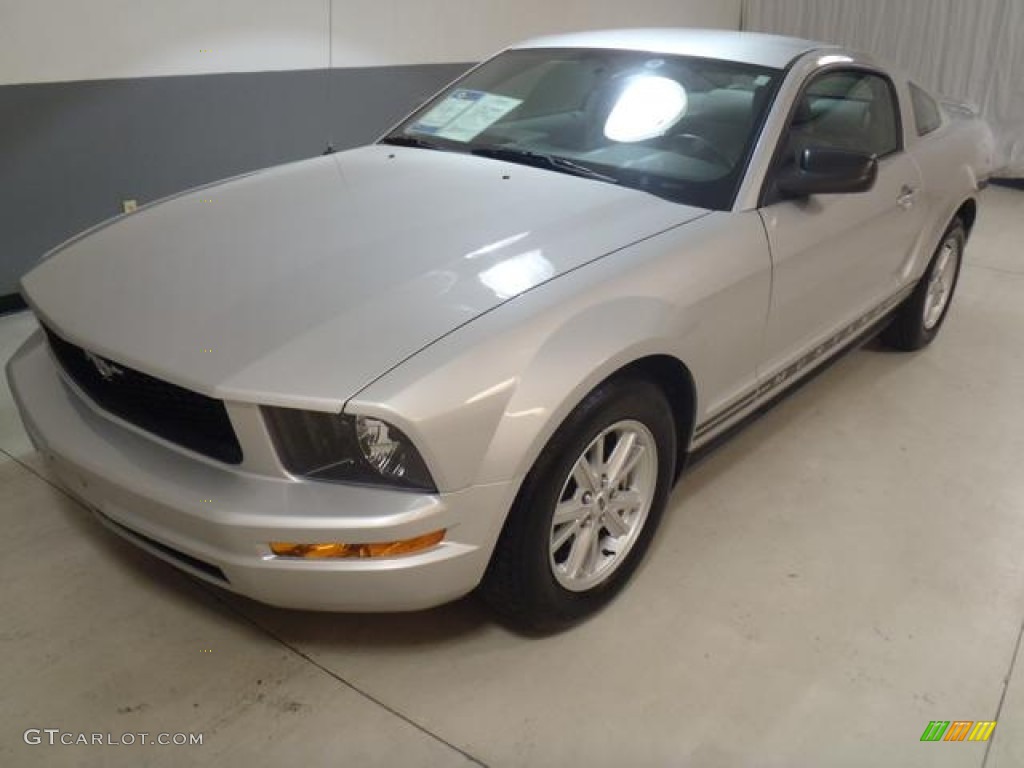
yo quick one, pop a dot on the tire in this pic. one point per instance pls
(537, 583)
(918, 320)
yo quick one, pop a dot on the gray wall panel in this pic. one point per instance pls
(70, 152)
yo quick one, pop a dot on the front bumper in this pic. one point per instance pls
(216, 522)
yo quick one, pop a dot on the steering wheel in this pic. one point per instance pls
(704, 147)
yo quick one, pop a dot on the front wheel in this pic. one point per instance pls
(920, 317)
(587, 510)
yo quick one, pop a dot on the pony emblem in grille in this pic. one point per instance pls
(104, 368)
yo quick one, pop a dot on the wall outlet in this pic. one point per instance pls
(128, 206)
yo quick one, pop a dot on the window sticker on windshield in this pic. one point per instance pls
(464, 115)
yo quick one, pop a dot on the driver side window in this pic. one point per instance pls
(852, 110)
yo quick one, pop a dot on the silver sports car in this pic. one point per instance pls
(479, 352)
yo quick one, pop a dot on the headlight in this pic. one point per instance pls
(346, 449)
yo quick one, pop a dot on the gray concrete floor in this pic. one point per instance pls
(844, 571)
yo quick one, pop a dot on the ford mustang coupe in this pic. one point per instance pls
(479, 352)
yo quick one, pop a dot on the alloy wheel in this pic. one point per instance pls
(603, 505)
(940, 285)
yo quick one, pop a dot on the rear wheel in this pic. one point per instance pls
(587, 510)
(920, 317)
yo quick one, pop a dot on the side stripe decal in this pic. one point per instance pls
(806, 362)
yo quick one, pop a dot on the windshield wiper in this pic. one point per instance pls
(542, 160)
(399, 140)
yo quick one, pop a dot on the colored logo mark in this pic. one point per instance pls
(958, 730)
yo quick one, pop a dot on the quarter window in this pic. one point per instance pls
(926, 111)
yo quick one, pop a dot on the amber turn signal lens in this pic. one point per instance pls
(338, 549)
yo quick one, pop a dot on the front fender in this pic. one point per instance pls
(482, 402)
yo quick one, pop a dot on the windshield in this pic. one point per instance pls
(678, 127)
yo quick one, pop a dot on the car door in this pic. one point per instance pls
(837, 258)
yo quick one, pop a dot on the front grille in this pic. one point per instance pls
(178, 415)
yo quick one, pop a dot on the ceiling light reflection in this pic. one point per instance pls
(518, 274)
(497, 246)
(648, 107)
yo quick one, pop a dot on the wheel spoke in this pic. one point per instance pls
(614, 523)
(630, 465)
(943, 262)
(626, 501)
(582, 546)
(567, 511)
(564, 534)
(948, 278)
(625, 456)
(595, 550)
(585, 476)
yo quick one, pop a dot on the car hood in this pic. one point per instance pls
(299, 285)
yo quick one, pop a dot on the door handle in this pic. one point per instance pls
(906, 198)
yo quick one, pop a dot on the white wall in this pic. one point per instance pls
(53, 40)
(414, 32)
(46, 40)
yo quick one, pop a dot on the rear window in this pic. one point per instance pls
(926, 111)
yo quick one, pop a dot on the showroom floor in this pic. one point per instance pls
(844, 571)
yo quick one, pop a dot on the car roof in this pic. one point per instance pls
(746, 47)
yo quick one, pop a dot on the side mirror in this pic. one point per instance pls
(826, 171)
